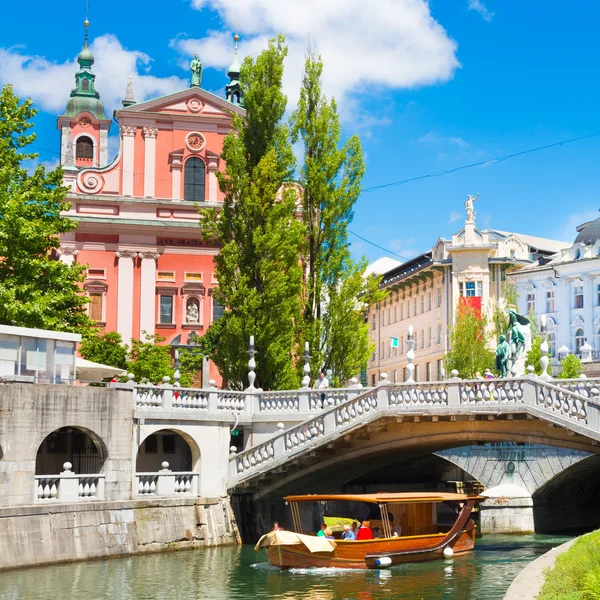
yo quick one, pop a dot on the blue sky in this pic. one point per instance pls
(428, 86)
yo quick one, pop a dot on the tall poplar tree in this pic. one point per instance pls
(258, 267)
(35, 290)
(330, 177)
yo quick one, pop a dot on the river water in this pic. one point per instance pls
(242, 574)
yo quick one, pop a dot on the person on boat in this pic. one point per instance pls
(329, 533)
(276, 527)
(322, 533)
(354, 528)
(364, 531)
(348, 534)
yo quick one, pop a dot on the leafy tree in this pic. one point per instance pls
(106, 349)
(469, 348)
(508, 299)
(35, 289)
(150, 361)
(190, 363)
(534, 355)
(571, 367)
(258, 267)
(330, 177)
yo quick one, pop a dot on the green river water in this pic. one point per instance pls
(242, 574)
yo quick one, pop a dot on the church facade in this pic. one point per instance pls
(149, 269)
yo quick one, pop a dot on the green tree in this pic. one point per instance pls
(190, 363)
(258, 267)
(330, 178)
(469, 348)
(571, 367)
(150, 360)
(35, 289)
(534, 355)
(105, 348)
(509, 298)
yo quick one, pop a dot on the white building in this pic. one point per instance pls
(566, 288)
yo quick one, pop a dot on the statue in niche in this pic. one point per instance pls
(515, 321)
(502, 356)
(469, 202)
(196, 68)
(192, 312)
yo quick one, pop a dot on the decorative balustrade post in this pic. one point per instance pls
(355, 389)
(251, 365)
(593, 409)
(165, 483)
(544, 360)
(410, 355)
(530, 391)
(166, 394)
(213, 397)
(454, 389)
(68, 489)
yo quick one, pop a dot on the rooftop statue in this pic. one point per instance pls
(502, 355)
(515, 321)
(196, 68)
(469, 207)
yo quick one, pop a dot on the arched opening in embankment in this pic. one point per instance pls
(82, 448)
(171, 446)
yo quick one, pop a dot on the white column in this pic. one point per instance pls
(67, 255)
(150, 134)
(176, 182)
(147, 292)
(103, 148)
(128, 133)
(588, 308)
(125, 294)
(212, 186)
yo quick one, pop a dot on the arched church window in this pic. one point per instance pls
(85, 85)
(579, 340)
(84, 148)
(194, 180)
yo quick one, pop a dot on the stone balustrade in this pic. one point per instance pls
(69, 486)
(413, 395)
(167, 483)
(503, 391)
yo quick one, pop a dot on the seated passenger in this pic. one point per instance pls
(329, 534)
(364, 531)
(322, 533)
(348, 534)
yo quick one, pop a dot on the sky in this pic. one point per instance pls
(428, 87)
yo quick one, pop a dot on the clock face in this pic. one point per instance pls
(195, 142)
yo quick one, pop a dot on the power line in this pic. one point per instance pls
(378, 246)
(480, 163)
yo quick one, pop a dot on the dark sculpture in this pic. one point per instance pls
(515, 321)
(502, 356)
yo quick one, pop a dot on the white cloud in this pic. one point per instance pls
(49, 83)
(454, 216)
(432, 138)
(398, 45)
(480, 7)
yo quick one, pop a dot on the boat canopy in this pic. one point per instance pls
(383, 498)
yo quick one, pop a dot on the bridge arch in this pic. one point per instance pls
(82, 447)
(171, 445)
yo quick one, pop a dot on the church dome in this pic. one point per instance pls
(590, 233)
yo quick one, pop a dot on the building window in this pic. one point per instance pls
(429, 301)
(395, 375)
(470, 289)
(550, 300)
(552, 344)
(193, 277)
(85, 85)
(374, 321)
(382, 350)
(428, 338)
(531, 304)
(165, 276)
(438, 338)
(417, 372)
(373, 382)
(579, 340)
(84, 147)
(428, 371)
(194, 180)
(422, 339)
(95, 309)
(218, 310)
(579, 297)
(96, 273)
(402, 311)
(439, 297)
(373, 357)
(440, 369)
(395, 313)
(598, 295)
(408, 310)
(166, 310)
(422, 303)
(415, 306)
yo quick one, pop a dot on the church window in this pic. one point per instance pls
(95, 309)
(194, 180)
(579, 340)
(84, 147)
(166, 310)
(550, 300)
(85, 85)
(218, 309)
(530, 304)
(579, 297)
(470, 289)
(552, 344)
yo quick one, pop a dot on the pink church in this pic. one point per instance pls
(137, 221)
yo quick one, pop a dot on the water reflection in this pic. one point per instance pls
(225, 573)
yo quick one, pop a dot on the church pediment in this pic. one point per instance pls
(189, 102)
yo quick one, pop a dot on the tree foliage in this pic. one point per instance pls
(571, 367)
(105, 348)
(509, 298)
(469, 348)
(150, 361)
(330, 178)
(534, 356)
(258, 267)
(35, 289)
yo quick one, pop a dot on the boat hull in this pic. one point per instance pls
(363, 554)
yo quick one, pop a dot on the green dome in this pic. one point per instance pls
(86, 58)
(79, 104)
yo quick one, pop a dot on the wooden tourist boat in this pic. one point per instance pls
(409, 524)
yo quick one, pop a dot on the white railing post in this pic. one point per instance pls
(304, 400)
(68, 490)
(165, 484)
(593, 409)
(454, 389)
(167, 394)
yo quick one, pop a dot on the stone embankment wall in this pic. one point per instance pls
(50, 533)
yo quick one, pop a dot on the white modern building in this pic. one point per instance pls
(566, 288)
